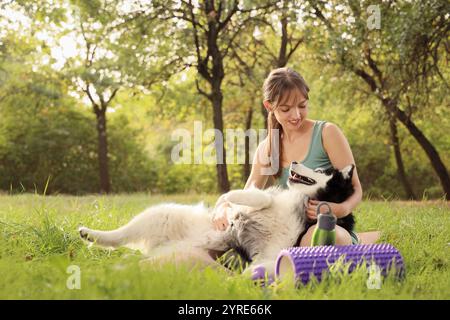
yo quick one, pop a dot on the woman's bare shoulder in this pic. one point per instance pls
(336, 146)
(329, 126)
(331, 130)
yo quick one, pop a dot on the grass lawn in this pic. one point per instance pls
(39, 241)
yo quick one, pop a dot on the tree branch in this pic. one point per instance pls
(233, 10)
(367, 78)
(374, 67)
(293, 49)
(322, 18)
(207, 95)
(94, 104)
(202, 64)
(112, 96)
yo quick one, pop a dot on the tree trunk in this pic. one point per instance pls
(105, 186)
(222, 174)
(215, 77)
(283, 55)
(399, 160)
(248, 125)
(265, 114)
(426, 145)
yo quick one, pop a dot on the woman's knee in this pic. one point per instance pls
(307, 237)
(343, 237)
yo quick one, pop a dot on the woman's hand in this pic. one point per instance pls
(338, 209)
(220, 219)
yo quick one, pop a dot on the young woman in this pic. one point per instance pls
(316, 144)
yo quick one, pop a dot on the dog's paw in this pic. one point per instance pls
(253, 198)
(84, 233)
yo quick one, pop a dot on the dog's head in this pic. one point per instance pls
(327, 185)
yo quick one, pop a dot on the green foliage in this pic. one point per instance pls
(45, 139)
(131, 169)
(60, 145)
(48, 136)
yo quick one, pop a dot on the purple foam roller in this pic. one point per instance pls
(259, 273)
(304, 262)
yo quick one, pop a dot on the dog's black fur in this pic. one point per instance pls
(337, 190)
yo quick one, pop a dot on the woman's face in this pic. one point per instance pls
(292, 110)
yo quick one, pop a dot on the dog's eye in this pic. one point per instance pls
(319, 170)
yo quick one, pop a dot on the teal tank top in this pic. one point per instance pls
(315, 158)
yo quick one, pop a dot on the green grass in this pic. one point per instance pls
(39, 241)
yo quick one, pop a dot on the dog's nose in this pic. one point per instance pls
(294, 162)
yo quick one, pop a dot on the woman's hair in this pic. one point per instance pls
(279, 85)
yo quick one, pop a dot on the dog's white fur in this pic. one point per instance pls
(262, 221)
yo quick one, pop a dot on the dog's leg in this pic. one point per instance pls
(155, 226)
(254, 198)
(114, 238)
(146, 226)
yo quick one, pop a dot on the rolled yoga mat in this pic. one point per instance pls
(303, 262)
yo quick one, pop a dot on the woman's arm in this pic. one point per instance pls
(257, 177)
(340, 154)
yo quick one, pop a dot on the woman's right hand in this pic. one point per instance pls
(220, 219)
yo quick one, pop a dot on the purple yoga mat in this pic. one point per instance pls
(307, 261)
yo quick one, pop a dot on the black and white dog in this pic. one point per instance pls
(261, 224)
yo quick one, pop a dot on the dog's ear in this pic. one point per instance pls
(347, 172)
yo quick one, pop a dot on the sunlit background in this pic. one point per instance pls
(92, 91)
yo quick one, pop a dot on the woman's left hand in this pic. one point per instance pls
(338, 209)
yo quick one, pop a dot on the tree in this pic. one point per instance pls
(211, 28)
(116, 51)
(396, 62)
(399, 160)
(271, 42)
